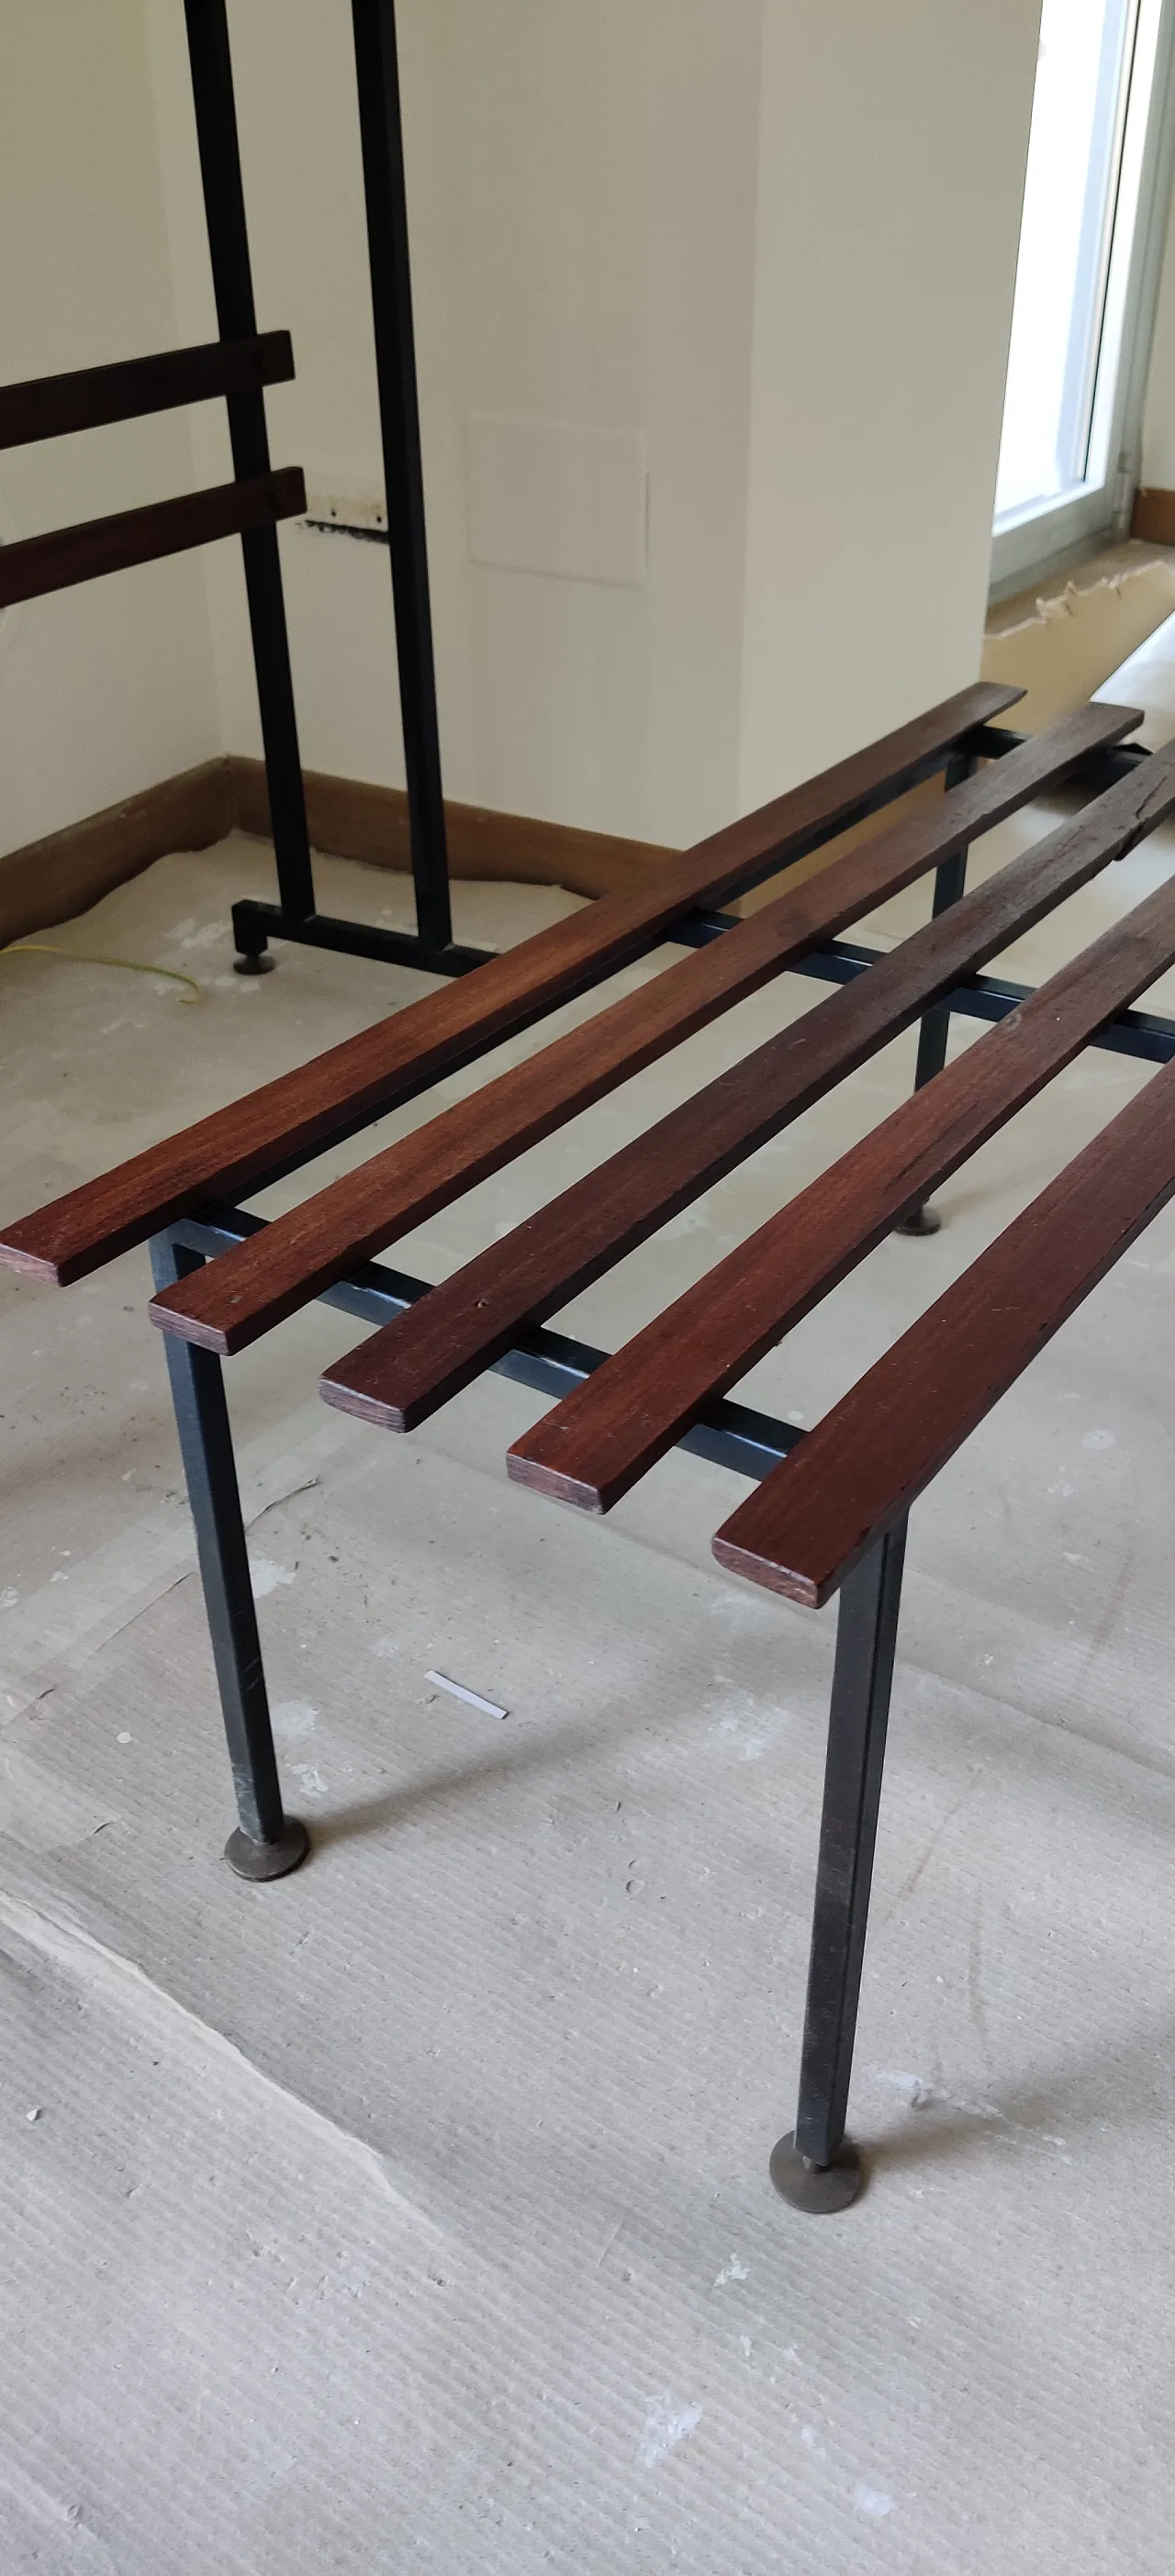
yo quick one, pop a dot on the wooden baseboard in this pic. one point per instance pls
(1154, 516)
(350, 819)
(51, 880)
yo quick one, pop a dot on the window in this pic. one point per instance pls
(1090, 248)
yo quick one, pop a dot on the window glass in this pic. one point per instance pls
(1071, 204)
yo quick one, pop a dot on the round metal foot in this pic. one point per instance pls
(924, 1220)
(820, 2190)
(256, 1860)
(263, 965)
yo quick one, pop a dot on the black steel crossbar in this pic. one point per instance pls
(982, 997)
(254, 921)
(992, 997)
(729, 1435)
(1099, 769)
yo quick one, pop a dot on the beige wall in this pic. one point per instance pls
(582, 186)
(777, 242)
(106, 688)
(893, 141)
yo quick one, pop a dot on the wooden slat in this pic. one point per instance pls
(52, 406)
(37, 565)
(235, 1150)
(812, 1520)
(596, 1444)
(231, 1301)
(400, 1376)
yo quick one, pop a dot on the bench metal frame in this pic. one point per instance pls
(177, 1193)
(813, 2167)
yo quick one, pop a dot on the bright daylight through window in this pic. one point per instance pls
(1076, 316)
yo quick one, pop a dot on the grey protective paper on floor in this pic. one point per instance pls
(414, 2212)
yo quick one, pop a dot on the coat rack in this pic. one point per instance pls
(377, 71)
(238, 366)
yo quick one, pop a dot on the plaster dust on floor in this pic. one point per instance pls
(413, 2212)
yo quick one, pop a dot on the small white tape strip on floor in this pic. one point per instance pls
(472, 1698)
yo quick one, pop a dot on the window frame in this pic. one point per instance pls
(1043, 536)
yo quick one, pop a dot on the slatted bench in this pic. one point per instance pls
(224, 1276)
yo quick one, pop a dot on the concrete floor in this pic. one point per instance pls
(413, 2213)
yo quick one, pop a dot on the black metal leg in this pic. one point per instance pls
(267, 1843)
(950, 881)
(228, 243)
(814, 2167)
(395, 357)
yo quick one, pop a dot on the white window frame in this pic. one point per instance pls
(1044, 536)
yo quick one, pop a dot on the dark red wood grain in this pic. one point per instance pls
(35, 566)
(234, 1151)
(402, 1373)
(53, 406)
(595, 1445)
(232, 1300)
(814, 1518)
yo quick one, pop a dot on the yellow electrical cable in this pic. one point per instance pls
(42, 948)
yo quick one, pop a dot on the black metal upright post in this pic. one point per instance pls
(381, 131)
(267, 1842)
(815, 2168)
(228, 243)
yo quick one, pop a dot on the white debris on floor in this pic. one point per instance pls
(413, 2212)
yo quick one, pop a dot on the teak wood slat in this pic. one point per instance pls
(595, 1445)
(37, 565)
(236, 1149)
(406, 1370)
(232, 1300)
(91, 397)
(811, 1521)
